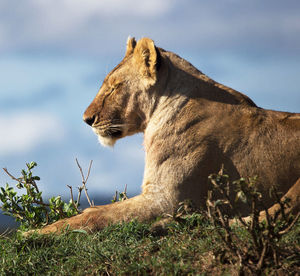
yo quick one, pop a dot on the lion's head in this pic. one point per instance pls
(116, 110)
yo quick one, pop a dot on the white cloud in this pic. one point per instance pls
(106, 7)
(48, 20)
(23, 132)
(86, 8)
(99, 26)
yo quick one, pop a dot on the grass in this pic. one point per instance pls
(190, 246)
(190, 242)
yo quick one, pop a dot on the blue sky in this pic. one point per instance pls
(55, 54)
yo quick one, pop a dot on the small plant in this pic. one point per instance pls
(263, 247)
(120, 196)
(29, 208)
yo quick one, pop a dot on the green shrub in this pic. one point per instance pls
(29, 208)
(262, 248)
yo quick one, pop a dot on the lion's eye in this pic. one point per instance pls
(110, 90)
(114, 88)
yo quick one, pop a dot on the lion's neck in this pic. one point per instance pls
(181, 84)
(203, 86)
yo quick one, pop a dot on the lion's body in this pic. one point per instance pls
(192, 125)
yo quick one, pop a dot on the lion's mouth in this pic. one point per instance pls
(109, 133)
(114, 133)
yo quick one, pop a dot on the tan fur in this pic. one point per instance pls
(192, 125)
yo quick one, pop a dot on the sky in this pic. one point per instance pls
(54, 55)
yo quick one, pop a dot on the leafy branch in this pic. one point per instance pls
(264, 234)
(29, 208)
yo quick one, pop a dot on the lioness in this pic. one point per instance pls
(192, 125)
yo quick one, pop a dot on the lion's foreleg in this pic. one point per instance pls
(96, 218)
(293, 207)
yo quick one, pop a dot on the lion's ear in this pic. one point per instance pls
(131, 42)
(145, 56)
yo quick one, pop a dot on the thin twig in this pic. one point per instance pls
(125, 193)
(71, 192)
(115, 197)
(280, 202)
(72, 198)
(6, 233)
(89, 170)
(11, 176)
(79, 195)
(290, 226)
(262, 256)
(84, 180)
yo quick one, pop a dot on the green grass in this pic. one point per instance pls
(191, 247)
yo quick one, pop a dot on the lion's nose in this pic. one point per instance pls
(89, 120)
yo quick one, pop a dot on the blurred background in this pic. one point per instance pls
(55, 54)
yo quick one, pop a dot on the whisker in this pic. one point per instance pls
(117, 126)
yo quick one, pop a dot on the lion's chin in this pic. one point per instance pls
(106, 141)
